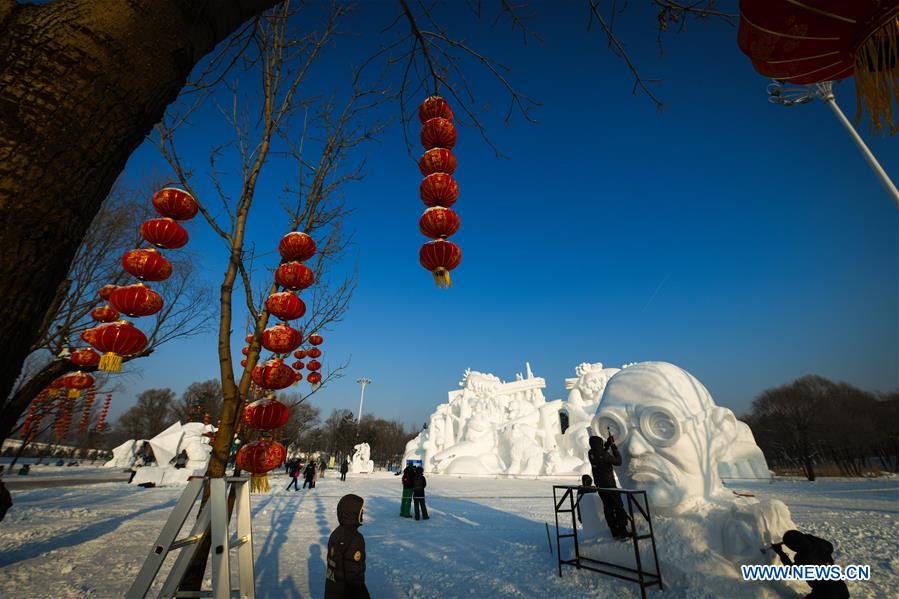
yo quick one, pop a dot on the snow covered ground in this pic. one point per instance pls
(486, 537)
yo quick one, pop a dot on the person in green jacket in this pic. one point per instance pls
(408, 483)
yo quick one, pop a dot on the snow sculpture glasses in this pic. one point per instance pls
(657, 424)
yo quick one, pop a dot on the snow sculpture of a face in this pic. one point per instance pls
(670, 433)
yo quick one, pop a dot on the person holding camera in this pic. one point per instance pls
(602, 462)
(812, 551)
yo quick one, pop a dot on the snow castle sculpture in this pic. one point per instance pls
(361, 462)
(189, 439)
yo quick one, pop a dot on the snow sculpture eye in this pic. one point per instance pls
(610, 422)
(660, 426)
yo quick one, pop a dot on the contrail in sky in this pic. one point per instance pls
(655, 293)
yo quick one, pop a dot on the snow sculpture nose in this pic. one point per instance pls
(637, 444)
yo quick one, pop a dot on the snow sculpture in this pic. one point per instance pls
(165, 444)
(672, 436)
(189, 439)
(124, 455)
(361, 462)
(743, 458)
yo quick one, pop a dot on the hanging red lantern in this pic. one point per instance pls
(266, 414)
(299, 378)
(248, 338)
(116, 340)
(299, 354)
(315, 378)
(296, 246)
(175, 203)
(243, 363)
(437, 160)
(314, 365)
(258, 458)
(147, 264)
(434, 107)
(105, 313)
(438, 133)
(294, 275)
(136, 300)
(273, 374)
(56, 384)
(816, 41)
(286, 305)
(281, 338)
(298, 365)
(76, 382)
(438, 222)
(440, 257)
(315, 339)
(438, 189)
(106, 290)
(84, 357)
(89, 335)
(164, 233)
(314, 352)
(245, 350)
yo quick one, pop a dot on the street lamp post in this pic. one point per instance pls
(790, 95)
(362, 382)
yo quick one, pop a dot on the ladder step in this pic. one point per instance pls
(238, 541)
(186, 541)
(566, 536)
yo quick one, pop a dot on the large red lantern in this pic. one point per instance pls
(440, 257)
(76, 382)
(286, 305)
(437, 160)
(175, 203)
(824, 40)
(105, 314)
(164, 233)
(281, 338)
(313, 365)
(297, 246)
(90, 335)
(266, 414)
(434, 107)
(147, 264)
(84, 357)
(136, 300)
(438, 222)
(438, 189)
(438, 133)
(273, 374)
(315, 339)
(116, 340)
(294, 275)
(315, 378)
(314, 352)
(106, 290)
(258, 458)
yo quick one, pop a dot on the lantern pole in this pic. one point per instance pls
(788, 96)
(363, 382)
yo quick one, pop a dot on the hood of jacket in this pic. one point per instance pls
(349, 510)
(597, 443)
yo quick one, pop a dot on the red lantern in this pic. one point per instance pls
(76, 382)
(437, 160)
(440, 257)
(298, 365)
(273, 374)
(105, 314)
(243, 363)
(117, 339)
(314, 353)
(438, 133)
(314, 365)
(439, 222)
(286, 305)
(439, 189)
(106, 290)
(315, 339)
(248, 338)
(315, 378)
(297, 246)
(147, 264)
(281, 338)
(815, 41)
(136, 300)
(90, 335)
(56, 384)
(84, 357)
(175, 203)
(299, 354)
(245, 351)
(299, 377)
(266, 414)
(164, 233)
(294, 275)
(434, 107)
(258, 458)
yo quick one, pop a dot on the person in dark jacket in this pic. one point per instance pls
(604, 477)
(812, 551)
(5, 500)
(345, 577)
(418, 493)
(408, 479)
(586, 481)
(294, 472)
(344, 468)
(309, 475)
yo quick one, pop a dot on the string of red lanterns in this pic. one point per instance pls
(104, 411)
(86, 412)
(438, 190)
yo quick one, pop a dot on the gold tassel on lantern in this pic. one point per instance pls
(110, 362)
(74, 393)
(877, 75)
(442, 278)
(259, 483)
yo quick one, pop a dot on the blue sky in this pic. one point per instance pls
(746, 242)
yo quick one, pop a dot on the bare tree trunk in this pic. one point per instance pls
(81, 84)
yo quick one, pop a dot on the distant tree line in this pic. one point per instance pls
(814, 425)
